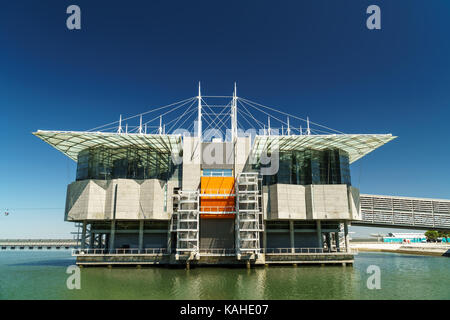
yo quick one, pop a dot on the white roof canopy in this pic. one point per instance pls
(356, 145)
(72, 142)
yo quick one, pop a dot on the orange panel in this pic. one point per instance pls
(215, 205)
(217, 216)
(220, 186)
(217, 185)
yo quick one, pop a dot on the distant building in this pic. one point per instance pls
(412, 237)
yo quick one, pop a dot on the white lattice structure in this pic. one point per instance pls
(404, 212)
(249, 222)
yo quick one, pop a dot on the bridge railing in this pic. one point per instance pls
(38, 240)
(217, 252)
(149, 251)
(304, 251)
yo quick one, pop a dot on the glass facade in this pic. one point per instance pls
(128, 163)
(310, 166)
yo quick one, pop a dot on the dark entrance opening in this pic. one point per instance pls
(216, 233)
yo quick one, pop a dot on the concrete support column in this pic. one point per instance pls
(328, 240)
(141, 234)
(91, 239)
(83, 236)
(106, 240)
(319, 234)
(265, 237)
(347, 245)
(100, 240)
(292, 237)
(112, 235)
(336, 237)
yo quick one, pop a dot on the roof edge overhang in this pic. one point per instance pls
(70, 143)
(356, 145)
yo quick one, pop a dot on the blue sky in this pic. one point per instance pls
(309, 58)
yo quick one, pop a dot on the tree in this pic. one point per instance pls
(444, 234)
(431, 235)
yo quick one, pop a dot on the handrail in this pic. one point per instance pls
(217, 208)
(303, 251)
(216, 190)
(77, 252)
(212, 251)
(218, 251)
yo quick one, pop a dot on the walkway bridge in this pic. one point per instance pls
(404, 212)
(39, 244)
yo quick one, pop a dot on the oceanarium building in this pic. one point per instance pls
(228, 189)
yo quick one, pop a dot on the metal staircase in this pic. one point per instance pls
(249, 222)
(187, 223)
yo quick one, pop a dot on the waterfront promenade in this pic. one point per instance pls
(435, 249)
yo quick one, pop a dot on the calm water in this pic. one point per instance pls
(41, 275)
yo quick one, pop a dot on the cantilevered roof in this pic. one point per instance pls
(72, 142)
(356, 145)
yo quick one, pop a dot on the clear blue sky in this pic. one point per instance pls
(314, 58)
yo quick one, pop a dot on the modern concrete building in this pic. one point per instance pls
(196, 198)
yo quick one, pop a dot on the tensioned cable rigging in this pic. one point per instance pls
(216, 116)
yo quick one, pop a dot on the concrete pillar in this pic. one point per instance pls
(265, 237)
(106, 240)
(336, 239)
(91, 239)
(347, 245)
(319, 234)
(328, 240)
(83, 236)
(141, 234)
(100, 241)
(112, 235)
(291, 233)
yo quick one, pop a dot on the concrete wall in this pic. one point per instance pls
(209, 155)
(242, 150)
(265, 201)
(122, 199)
(217, 155)
(328, 202)
(354, 203)
(312, 202)
(287, 201)
(191, 163)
